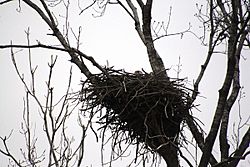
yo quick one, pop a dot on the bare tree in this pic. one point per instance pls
(54, 115)
(150, 110)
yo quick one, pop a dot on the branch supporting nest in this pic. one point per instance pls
(146, 107)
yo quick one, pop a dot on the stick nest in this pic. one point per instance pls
(144, 106)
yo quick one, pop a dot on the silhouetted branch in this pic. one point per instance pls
(7, 152)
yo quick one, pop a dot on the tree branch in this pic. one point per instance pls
(198, 136)
(224, 91)
(155, 60)
(129, 13)
(56, 32)
(70, 50)
(242, 148)
(141, 4)
(1, 3)
(136, 19)
(226, 16)
(7, 151)
(224, 146)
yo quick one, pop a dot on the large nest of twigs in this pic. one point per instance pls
(144, 105)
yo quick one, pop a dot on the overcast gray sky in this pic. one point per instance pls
(111, 38)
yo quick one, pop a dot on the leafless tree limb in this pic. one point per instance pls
(7, 151)
(69, 50)
(54, 124)
(241, 149)
(224, 23)
(82, 10)
(52, 24)
(136, 19)
(234, 35)
(6, 1)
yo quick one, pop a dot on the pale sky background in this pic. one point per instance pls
(113, 38)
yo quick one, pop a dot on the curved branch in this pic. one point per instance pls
(6, 152)
(70, 50)
(56, 32)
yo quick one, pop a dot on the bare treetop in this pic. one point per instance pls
(150, 110)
